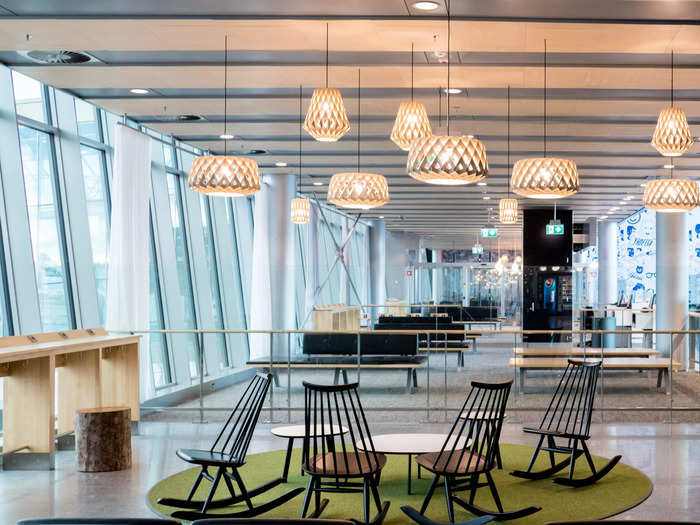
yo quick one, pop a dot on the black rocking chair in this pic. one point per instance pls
(568, 418)
(353, 465)
(470, 451)
(227, 455)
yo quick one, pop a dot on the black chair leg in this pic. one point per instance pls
(535, 453)
(375, 493)
(494, 492)
(475, 486)
(429, 495)
(212, 489)
(550, 444)
(229, 485)
(588, 456)
(448, 500)
(572, 463)
(307, 497)
(365, 497)
(196, 483)
(241, 487)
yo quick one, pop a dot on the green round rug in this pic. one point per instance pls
(623, 488)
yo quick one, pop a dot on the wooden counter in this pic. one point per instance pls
(47, 377)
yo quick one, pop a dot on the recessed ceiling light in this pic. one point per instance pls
(614, 208)
(669, 166)
(280, 164)
(481, 184)
(381, 216)
(486, 198)
(643, 184)
(318, 183)
(452, 91)
(139, 91)
(225, 136)
(426, 6)
(604, 217)
(622, 202)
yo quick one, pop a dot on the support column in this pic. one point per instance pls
(672, 283)
(272, 297)
(312, 263)
(377, 266)
(607, 263)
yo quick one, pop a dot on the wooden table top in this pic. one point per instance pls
(635, 363)
(298, 431)
(409, 443)
(65, 346)
(544, 351)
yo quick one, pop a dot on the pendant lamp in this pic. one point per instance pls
(326, 120)
(508, 207)
(300, 206)
(672, 135)
(448, 160)
(671, 195)
(411, 120)
(545, 177)
(224, 175)
(358, 190)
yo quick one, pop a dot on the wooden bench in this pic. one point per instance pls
(659, 364)
(341, 366)
(466, 346)
(496, 323)
(544, 351)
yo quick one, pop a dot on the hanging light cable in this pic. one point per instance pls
(545, 177)
(508, 207)
(300, 206)
(326, 120)
(224, 175)
(358, 190)
(411, 120)
(672, 135)
(447, 159)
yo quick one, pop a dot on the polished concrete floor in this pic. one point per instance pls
(665, 452)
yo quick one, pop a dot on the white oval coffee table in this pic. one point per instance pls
(410, 445)
(292, 432)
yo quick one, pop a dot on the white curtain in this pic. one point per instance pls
(128, 274)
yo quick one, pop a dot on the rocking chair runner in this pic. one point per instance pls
(339, 467)
(227, 455)
(568, 417)
(462, 466)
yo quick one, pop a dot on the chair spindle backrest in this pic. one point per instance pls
(328, 408)
(474, 435)
(234, 438)
(571, 407)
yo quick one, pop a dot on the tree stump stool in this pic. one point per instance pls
(103, 439)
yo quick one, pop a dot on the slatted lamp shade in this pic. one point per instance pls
(224, 175)
(671, 195)
(672, 135)
(300, 211)
(508, 211)
(411, 123)
(544, 178)
(326, 120)
(447, 160)
(358, 191)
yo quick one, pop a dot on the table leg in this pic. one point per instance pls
(409, 474)
(288, 458)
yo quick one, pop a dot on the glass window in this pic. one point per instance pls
(157, 342)
(45, 228)
(29, 97)
(88, 123)
(183, 268)
(169, 155)
(5, 320)
(97, 197)
(212, 267)
(232, 265)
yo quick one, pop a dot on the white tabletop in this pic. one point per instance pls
(409, 443)
(298, 431)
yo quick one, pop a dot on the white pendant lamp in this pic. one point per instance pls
(224, 175)
(545, 177)
(672, 135)
(508, 207)
(411, 120)
(447, 159)
(326, 120)
(300, 206)
(358, 190)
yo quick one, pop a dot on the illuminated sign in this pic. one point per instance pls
(489, 233)
(555, 228)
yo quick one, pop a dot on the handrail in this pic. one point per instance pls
(411, 332)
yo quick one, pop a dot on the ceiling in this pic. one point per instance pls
(607, 79)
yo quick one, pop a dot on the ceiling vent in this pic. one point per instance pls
(189, 118)
(59, 57)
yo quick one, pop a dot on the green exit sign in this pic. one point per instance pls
(477, 249)
(555, 229)
(489, 233)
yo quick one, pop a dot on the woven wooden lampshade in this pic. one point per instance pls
(672, 135)
(224, 175)
(411, 123)
(447, 160)
(359, 191)
(300, 211)
(508, 211)
(671, 195)
(326, 120)
(544, 178)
